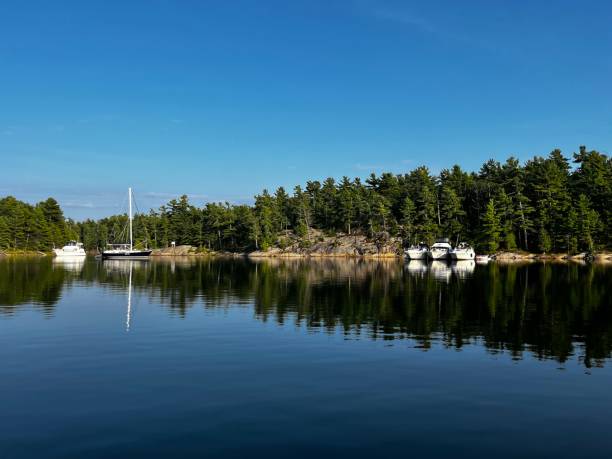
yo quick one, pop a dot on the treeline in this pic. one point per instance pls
(34, 227)
(548, 204)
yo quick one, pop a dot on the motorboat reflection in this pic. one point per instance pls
(463, 269)
(417, 267)
(440, 270)
(72, 264)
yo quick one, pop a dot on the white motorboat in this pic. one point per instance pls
(463, 252)
(440, 250)
(72, 250)
(417, 252)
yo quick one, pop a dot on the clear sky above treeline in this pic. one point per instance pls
(220, 99)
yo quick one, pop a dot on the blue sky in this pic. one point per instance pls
(220, 99)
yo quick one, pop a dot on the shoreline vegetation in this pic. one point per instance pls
(604, 257)
(547, 208)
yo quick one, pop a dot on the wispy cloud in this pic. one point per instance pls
(369, 167)
(79, 205)
(10, 130)
(406, 18)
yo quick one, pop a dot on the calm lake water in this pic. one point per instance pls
(199, 358)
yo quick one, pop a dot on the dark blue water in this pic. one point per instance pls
(299, 359)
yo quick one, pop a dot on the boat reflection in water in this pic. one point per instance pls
(417, 267)
(463, 269)
(125, 268)
(549, 310)
(441, 270)
(72, 264)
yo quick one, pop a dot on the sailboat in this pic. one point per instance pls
(126, 251)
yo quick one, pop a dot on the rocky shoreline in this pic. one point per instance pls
(345, 246)
(357, 246)
(276, 253)
(318, 246)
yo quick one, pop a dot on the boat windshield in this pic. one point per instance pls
(118, 246)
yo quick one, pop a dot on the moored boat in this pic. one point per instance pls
(462, 252)
(440, 250)
(126, 251)
(73, 249)
(417, 252)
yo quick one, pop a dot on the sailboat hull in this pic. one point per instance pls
(126, 255)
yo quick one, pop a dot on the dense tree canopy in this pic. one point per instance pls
(39, 227)
(549, 204)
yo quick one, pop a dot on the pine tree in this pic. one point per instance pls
(327, 218)
(506, 214)
(282, 211)
(422, 191)
(302, 208)
(265, 207)
(544, 239)
(5, 234)
(407, 220)
(452, 213)
(347, 210)
(572, 231)
(491, 228)
(588, 223)
(380, 218)
(593, 178)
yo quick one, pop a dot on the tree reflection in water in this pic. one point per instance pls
(550, 310)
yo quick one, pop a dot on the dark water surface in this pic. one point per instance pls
(192, 358)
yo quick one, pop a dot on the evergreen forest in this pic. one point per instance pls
(548, 204)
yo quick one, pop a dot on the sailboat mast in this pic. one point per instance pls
(130, 207)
